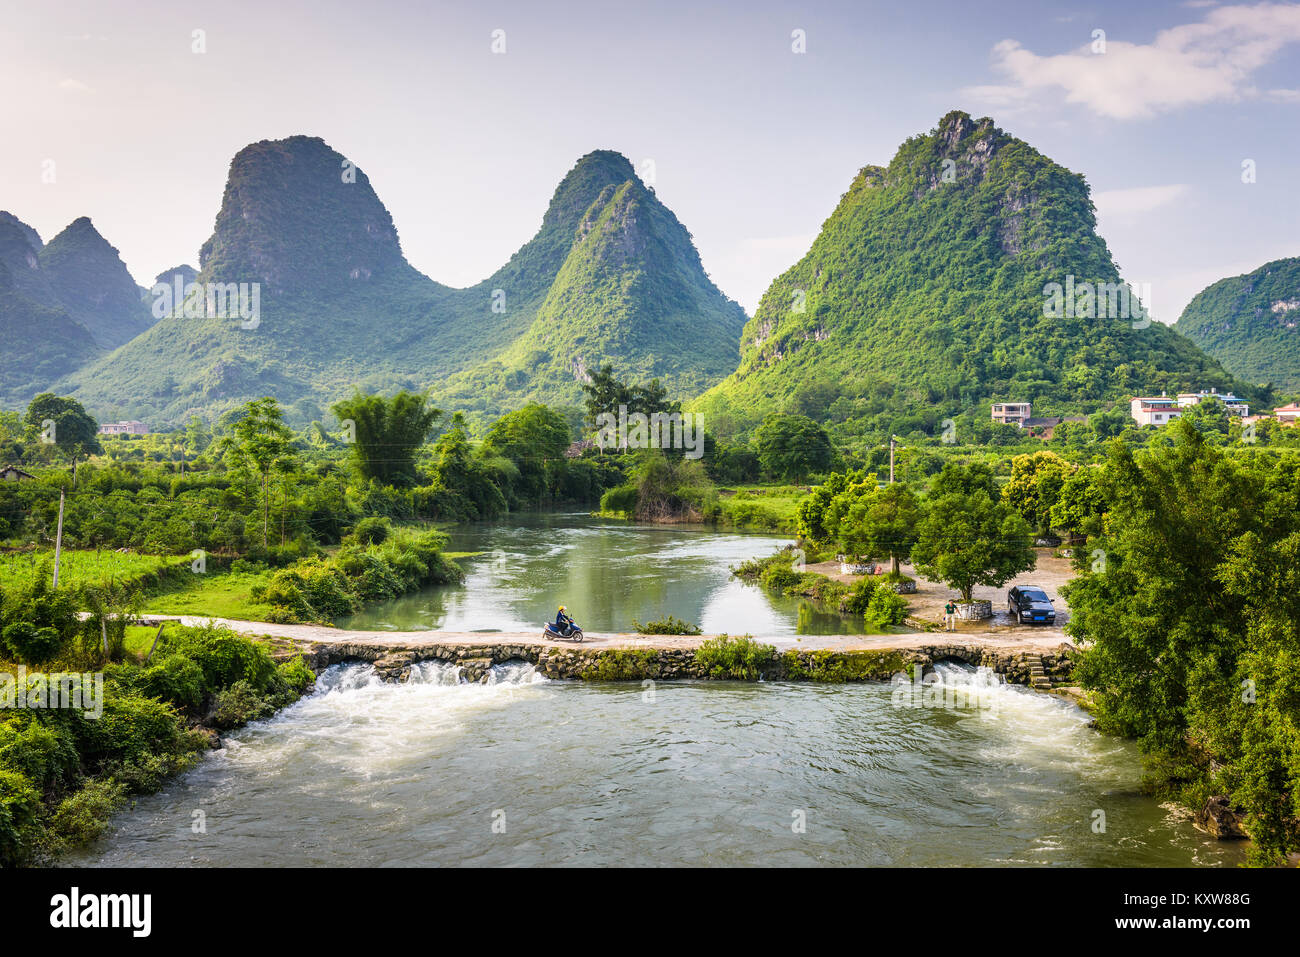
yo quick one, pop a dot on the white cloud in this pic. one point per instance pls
(74, 86)
(1188, 65)
(1137, 200)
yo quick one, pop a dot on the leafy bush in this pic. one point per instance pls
(223, 656)
(374, 530)
(621, 499)
(859, 598)
(238, 705)
(83, 817)
(45, 755)
(175, 678)
(26, 642)
(886, 607)
(20, 825)
(742, 659)
(665, 626)
(296, 675)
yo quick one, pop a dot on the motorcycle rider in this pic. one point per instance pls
(562, 621)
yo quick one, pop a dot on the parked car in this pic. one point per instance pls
(1030, 605)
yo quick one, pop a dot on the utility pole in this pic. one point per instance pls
(891, 458)
(58, 541)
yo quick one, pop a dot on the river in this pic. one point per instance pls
(525, 771)
(607, 573)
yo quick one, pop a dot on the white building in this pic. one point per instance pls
(1154, 410)
(123, 428)
(1011, 413)
(1234, 405)
(1288, 414)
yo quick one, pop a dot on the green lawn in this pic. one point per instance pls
(84, 567)
(220, 594)
(767, 507)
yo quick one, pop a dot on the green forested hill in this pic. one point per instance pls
(340, 307)
(925, 289)
(92, 284)
(1251, 323)
(40, 340)
(630, 290)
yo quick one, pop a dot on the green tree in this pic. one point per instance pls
(1191, 626)
(1035, 486)
(813, 525)
(259, 444)
(61, 421)
(1081, 502)
(791, 447)
(534, 438)
(882, 523)
(971, 538)
(388, 433)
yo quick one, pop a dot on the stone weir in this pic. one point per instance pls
(1040, 669)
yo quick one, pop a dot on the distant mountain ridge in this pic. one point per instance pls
(62, 304)
(342, 308)
(1251, 323)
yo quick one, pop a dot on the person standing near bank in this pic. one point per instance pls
(950, 616)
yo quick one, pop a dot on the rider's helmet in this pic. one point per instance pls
(561, 608)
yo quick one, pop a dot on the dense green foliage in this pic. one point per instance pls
(968, 536)
(386, 433)
(321, 589)
(739, 659)
(923, 298)
(1191, 617)
(64, 770)
(792, 447)
(1251, 323)
(665, 626)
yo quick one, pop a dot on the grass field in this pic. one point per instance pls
(220, 594)
(766, 507)
(77, 567)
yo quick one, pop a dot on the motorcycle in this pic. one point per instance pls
(570, 632)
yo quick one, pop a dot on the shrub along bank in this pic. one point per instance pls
(868, 598)
(64, 771)
(322, 589)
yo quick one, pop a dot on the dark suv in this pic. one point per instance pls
(1031, 606)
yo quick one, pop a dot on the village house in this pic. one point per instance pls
(1154, 410)
(1011, 413)
(1287, 414)
(133, 427)
(1234, 405)
(12, 473)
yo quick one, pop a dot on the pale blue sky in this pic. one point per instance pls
(752, 144)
